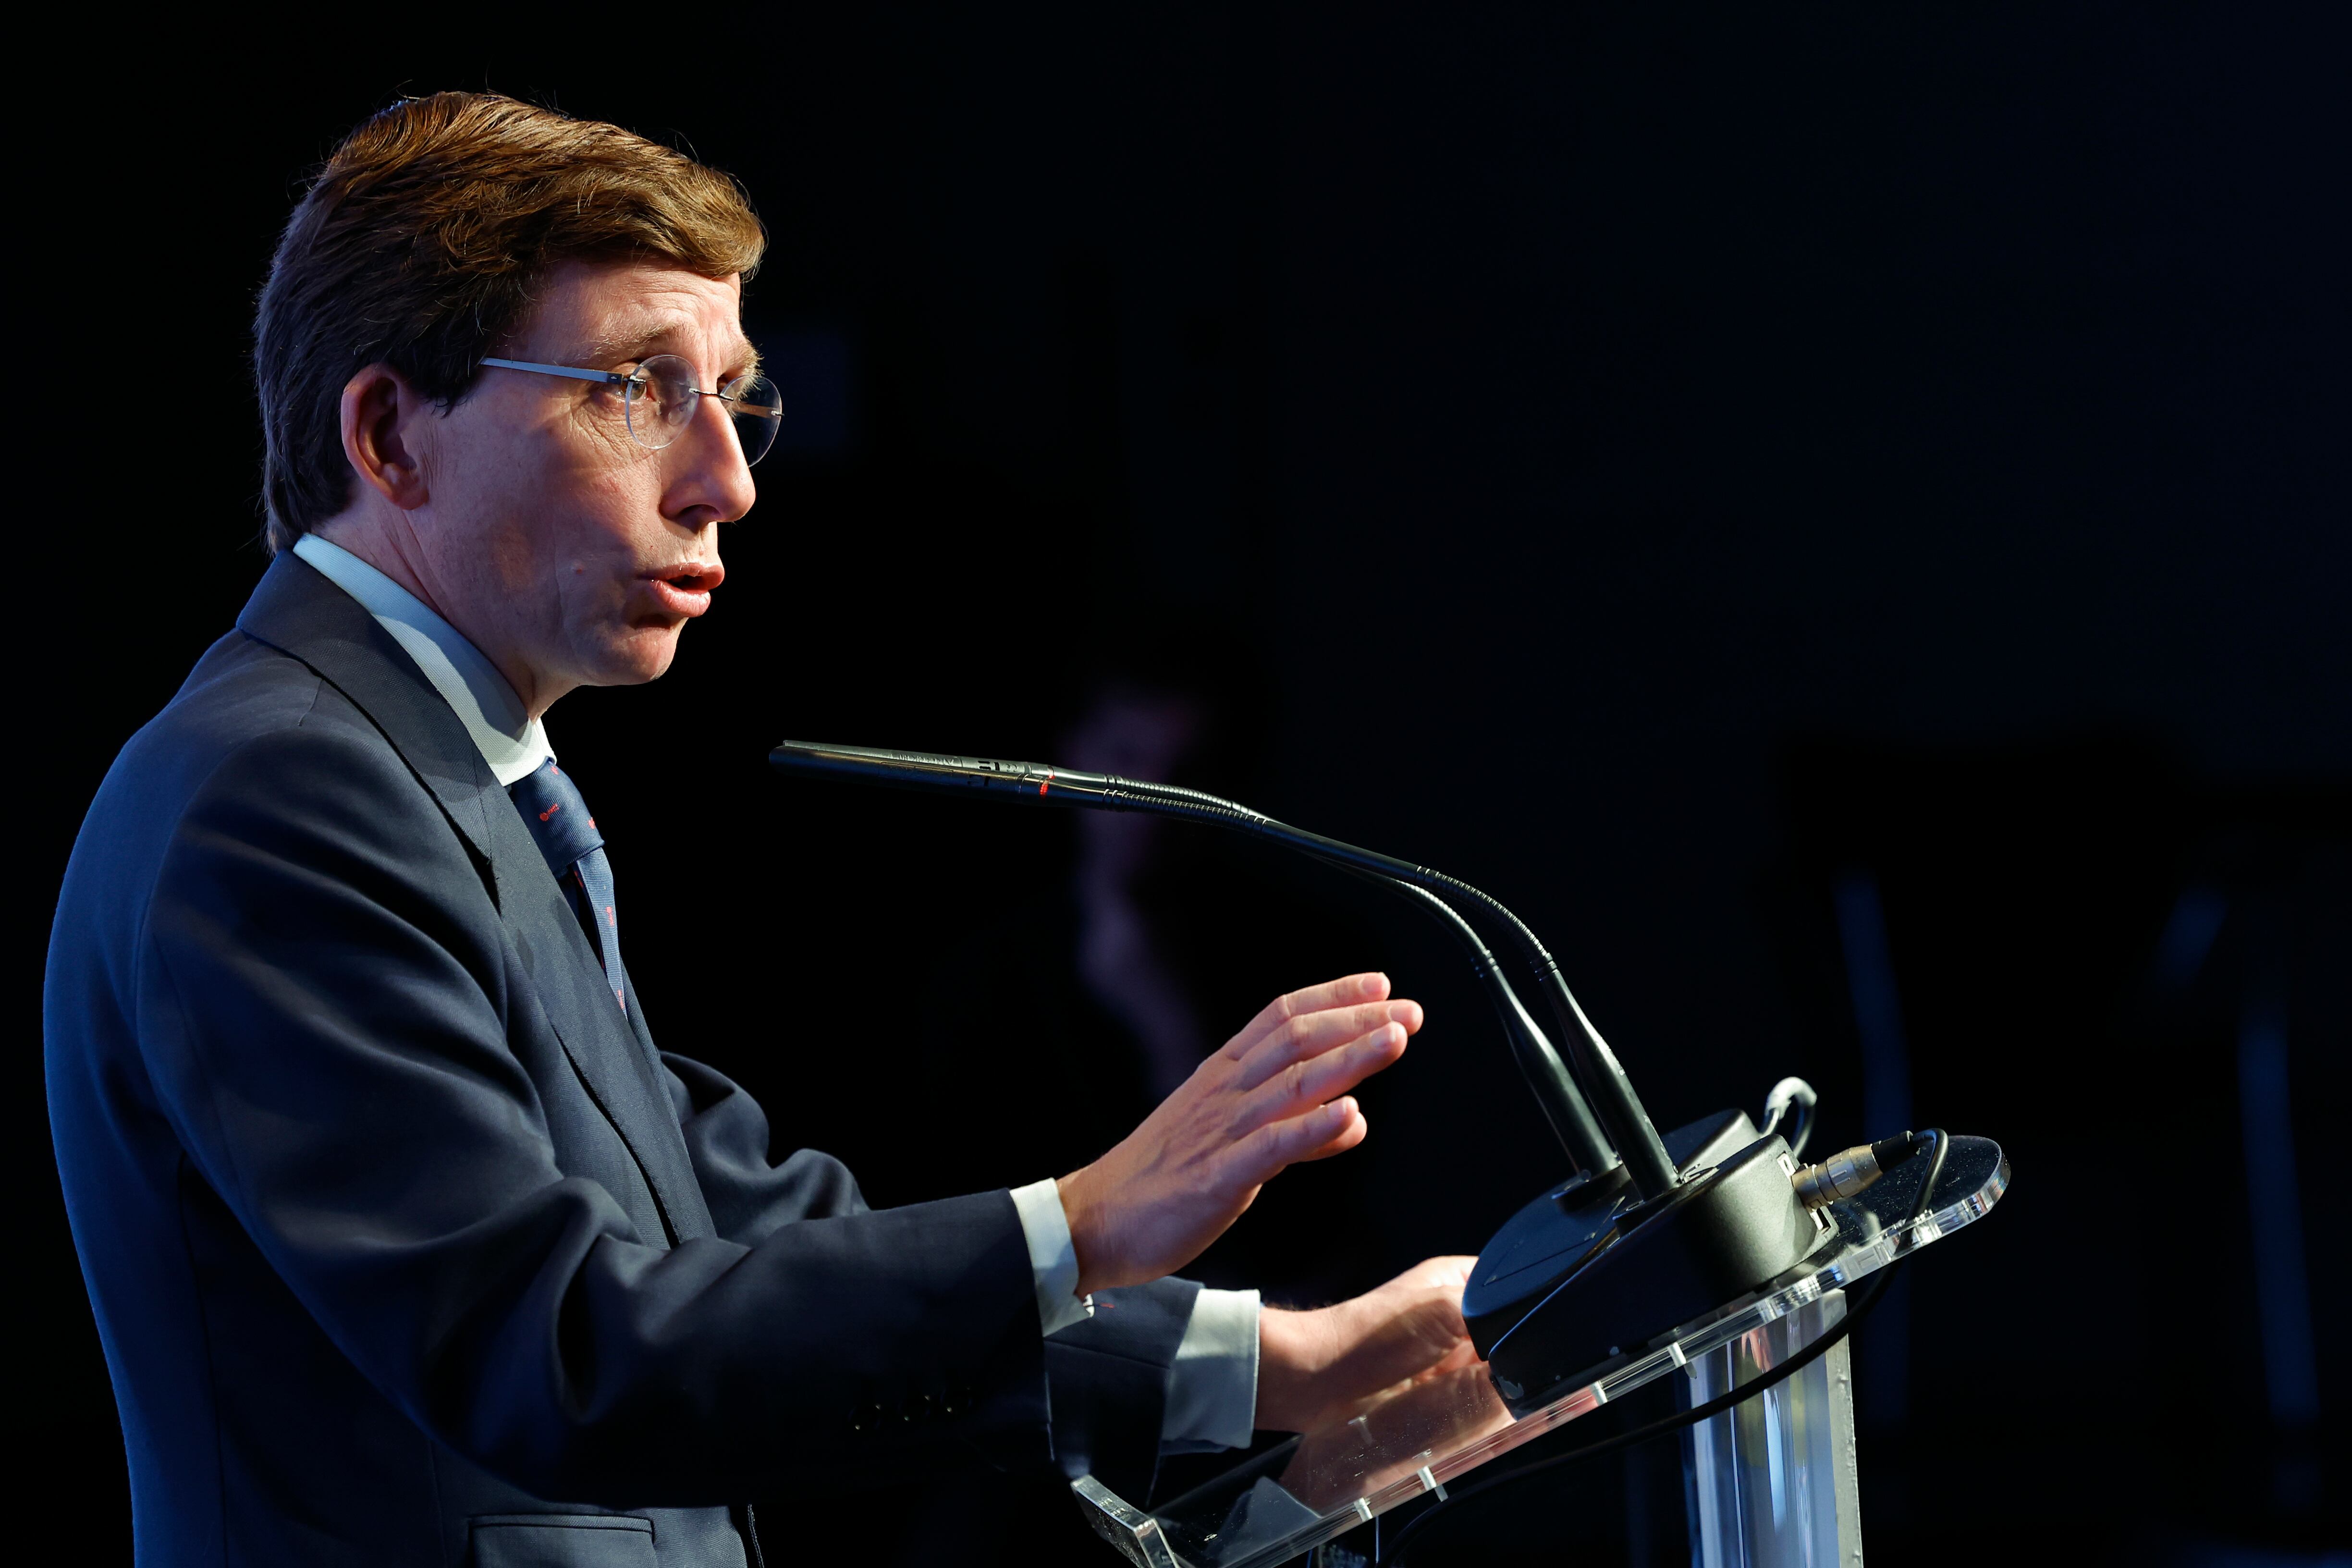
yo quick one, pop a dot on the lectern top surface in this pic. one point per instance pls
(1281, 1503)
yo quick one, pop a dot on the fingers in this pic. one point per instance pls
(1298, 1116)
(1463, 1353)
(1358, 1130)
(1317, 1133)
(1320, 1078)
(1343, 992)
(1355, 1131)
(1452, 1272)
(1312, 1033)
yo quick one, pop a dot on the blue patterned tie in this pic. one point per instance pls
(558, 818)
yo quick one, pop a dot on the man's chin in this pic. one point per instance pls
(643, 655)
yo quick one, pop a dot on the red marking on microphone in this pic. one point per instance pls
(1043, 781)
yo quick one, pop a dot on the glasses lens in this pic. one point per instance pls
(661, 400)
(758, 409)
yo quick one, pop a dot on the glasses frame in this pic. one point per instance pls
(634, 379)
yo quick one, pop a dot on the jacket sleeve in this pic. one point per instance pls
(727, 1139)
(1108, 1377)
(321, 992)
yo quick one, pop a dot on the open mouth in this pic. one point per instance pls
(685, 589)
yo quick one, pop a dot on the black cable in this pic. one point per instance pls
(1857, 1310)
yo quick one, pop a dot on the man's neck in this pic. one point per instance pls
(392, 551)
(513, 742)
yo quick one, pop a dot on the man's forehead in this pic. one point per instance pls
(617, 310)
(636, 334)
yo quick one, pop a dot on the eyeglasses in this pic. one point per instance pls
(659, 397)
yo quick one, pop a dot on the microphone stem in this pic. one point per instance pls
(1606, 1086)
(1563, 1107)
(1607, 1089)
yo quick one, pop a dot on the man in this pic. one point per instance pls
(405, 1243)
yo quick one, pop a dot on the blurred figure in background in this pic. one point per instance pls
(1062, 1018)
(1134, 733)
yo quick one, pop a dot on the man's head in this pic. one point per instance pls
(463, 226)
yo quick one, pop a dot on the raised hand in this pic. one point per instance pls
(1273, 1095)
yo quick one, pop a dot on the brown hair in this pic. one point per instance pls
(418, 247)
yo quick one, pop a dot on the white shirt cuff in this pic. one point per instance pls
(1053, 1257)
(1212, 1387)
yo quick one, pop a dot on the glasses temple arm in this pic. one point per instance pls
(608, 377)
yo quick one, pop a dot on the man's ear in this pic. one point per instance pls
(381, 414)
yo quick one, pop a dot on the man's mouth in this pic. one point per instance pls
(685, 589)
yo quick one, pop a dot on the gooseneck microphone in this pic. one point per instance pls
(1570, 1118)
(1623, 1130)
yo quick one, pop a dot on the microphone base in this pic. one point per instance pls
(1587, 1273)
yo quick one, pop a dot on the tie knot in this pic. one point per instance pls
(557, 816)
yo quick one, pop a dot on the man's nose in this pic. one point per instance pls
(714, 479)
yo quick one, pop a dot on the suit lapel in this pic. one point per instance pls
(637, 1026)
(296, 611)
(601, 1039)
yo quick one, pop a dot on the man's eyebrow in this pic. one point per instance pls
(637, 342)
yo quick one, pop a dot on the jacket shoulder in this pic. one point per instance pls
(242, 691)
(246, 711)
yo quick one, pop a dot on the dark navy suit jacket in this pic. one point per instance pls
(395, 1232)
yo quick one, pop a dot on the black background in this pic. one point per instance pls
(1658, 465)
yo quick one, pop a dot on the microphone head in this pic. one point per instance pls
(929, 770)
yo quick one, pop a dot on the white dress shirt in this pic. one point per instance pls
(1212, 1387)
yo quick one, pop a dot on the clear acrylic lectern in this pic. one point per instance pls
(1772, 1480)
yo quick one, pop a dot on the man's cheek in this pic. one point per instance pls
(614, 484)
(510, 557)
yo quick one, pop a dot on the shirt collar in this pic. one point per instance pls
(511, 742)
